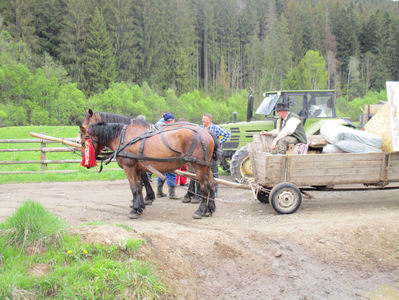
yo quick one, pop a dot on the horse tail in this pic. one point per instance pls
(217, 152)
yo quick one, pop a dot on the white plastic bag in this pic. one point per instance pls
(362, 141)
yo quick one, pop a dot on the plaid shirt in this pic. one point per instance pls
(219, 132)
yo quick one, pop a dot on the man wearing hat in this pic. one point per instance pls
(289, 130)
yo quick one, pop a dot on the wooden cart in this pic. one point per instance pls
(283, 179)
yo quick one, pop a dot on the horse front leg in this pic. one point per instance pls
(136, 189)
(207, 183)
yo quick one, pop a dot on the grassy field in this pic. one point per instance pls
(80, 173)
(71, 268)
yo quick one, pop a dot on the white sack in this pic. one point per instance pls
(356, 147)
(334, 133)
(330, 148)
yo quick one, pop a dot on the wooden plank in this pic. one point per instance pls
(393, 168)
(331, 180)
(251, 148)
(60, 149)
(343, 172)
(299, 165)
(13, 141)
(64, 161)
(58, 171)
(341, 157)
(55, 139)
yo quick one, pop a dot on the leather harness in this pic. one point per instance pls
(187, 157)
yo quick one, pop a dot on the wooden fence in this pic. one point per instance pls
(43, 150)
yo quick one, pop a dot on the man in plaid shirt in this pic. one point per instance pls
(222, 135)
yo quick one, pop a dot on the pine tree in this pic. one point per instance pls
(119, 17)
(48, 20)
(73, 36)
(99, 59)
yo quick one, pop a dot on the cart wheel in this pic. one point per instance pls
(263, 196)
(285, 198)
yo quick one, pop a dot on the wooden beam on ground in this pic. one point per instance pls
(217, 180)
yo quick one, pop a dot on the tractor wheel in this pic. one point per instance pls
(285, 198)
(240, 165)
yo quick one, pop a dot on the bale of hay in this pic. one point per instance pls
(380, 124)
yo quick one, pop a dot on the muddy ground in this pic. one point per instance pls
(338, 245)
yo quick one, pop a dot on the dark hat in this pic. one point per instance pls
(168, 117)
(282, 107)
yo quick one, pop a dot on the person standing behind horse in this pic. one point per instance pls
(168, 118)
(222, 135)
(161, 121)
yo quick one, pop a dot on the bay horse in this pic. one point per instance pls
(167, 149)
(93, 117)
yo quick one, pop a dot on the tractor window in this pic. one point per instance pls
(267, 105)
(320, 106)
(295, 103)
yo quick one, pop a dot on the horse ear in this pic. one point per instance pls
(90, 112)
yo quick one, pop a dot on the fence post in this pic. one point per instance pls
(43, 154)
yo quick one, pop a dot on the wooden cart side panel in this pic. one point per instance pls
(331, 169)
(323, 169)
(269, 168)
(393, 168)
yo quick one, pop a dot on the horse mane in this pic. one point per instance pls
(105, 133)
(116, 118)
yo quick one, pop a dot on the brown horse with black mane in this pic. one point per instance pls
(166, 149)
(93, 117)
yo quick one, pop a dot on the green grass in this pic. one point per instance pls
(75, 269)
(80, 173)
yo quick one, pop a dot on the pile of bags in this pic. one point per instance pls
(345, 139)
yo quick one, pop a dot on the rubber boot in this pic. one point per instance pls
(172, 194)
(190, 192)
(196, 198)
(160, 194)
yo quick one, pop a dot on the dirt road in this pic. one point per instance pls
(341, 245)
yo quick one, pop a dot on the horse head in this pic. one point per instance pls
(89, 118)
(93, 117)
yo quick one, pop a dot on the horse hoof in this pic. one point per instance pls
(196, 216)
(134, 215)
(148, 202)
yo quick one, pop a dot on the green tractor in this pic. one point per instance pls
(311, 106)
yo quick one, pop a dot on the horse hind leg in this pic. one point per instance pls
(207, 206)
(150, 195)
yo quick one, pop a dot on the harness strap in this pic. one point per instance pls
(121, 142)
(166, 159)
(149, 133)
(195, 142)
(141, 150)
(166, 143)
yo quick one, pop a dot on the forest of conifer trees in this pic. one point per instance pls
(218, 47)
